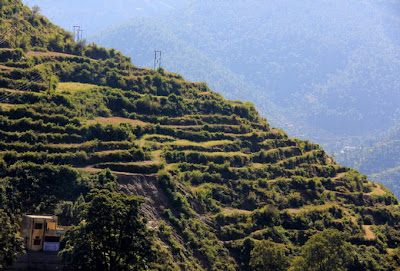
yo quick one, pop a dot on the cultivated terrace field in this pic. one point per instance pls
(215, 179)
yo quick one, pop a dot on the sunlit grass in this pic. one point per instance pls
(207, 144)
(74, 87)
(7, 106)
(309, 208)
(226, 154)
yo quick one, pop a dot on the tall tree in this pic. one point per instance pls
(35, 10)
(10, 242)
(324, 251)
(268, 256)
(112, 236)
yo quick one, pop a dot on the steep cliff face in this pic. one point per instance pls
(155, 203)
(215, 177)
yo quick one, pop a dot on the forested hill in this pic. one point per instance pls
(80, 126)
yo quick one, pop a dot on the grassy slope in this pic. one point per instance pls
(215, 172)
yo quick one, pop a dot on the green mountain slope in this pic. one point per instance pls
(215, 177)
(183, 56)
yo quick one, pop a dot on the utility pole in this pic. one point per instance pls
(157, 59)
(80, 37)
(76, 32)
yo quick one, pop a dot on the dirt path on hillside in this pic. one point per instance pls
(116, 121)
(2, 67)
(39, 54)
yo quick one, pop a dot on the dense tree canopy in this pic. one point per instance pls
(325, 251)
(268, 256)
(10, 242)
(112, 236)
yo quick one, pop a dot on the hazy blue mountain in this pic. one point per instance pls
(93, 15)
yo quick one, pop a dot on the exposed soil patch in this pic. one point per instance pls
(91, 169)
(7, 106)
(339, 176)
(116, 121)
(368, 233)
(147, 187)
(377, 191)
(2, 67)
(230, 211)
(33, 53)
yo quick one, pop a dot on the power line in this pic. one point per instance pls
(3, 36)
(6, 97)
(23, 87)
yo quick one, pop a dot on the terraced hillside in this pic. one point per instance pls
(216, 178)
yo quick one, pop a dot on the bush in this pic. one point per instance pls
(13, 55)
(268, 256)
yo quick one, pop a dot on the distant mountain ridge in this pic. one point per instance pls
(96, 15)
